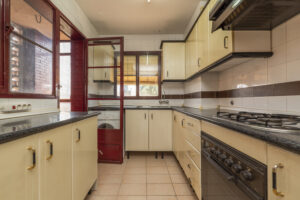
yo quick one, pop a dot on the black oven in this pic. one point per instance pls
(228, 174)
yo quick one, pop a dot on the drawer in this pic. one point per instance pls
(194, 154)
(193, 138)
(185, 164)
(192, 124)
(195, 179)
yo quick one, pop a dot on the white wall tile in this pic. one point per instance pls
(277, 74)
(279, 35)
(293, 28)
(277, 103)
(293, 71)
(293, 104)
(260, 103)
(293, 49)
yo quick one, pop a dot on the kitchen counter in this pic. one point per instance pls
(287, 140)
(15, 128)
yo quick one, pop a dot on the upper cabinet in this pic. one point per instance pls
(191, 53)
(173, 61)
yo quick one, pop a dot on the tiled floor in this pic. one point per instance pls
(142, 177)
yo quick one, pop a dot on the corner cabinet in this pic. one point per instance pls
(46, 165)
(148, 130)
(173, 61)
(283, 174)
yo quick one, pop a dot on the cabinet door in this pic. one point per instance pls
(202, 40)
(160, 130)
(102, 74)
(220, 41)
(287, 177)
(136, 130)
(192, 53)
(19, 178)
(56, 164)
(174, 61)
(84, 145)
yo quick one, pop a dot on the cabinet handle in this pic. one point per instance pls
(105, 74)
(78, 135)
(152, 116)
(174, 118)
(190, 124)
(167, 73)
(50, 150)
(33, 158)
(182, 122)
(189, 166)
(199, 59)
(101, 153)
(226, 42)
(145, 115)
(274, 179)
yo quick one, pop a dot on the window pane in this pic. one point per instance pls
(148, 71)
(30, 67)
(65, 47)
(33, 20)
(65, 77)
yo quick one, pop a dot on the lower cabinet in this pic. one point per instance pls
(283, 174)
(148, 130)
(45, 166)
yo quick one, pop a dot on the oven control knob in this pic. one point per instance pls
(247, 175)
(222, 156)
(236, 168)
(217, 152)
(228, 162)
(212, 149)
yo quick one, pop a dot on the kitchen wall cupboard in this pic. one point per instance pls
(287, 177)
(191, 53)
(148, 130)
(173, 61)
(47, 165)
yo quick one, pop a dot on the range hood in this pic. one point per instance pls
(252, 14)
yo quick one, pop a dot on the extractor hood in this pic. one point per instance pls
(252, 14)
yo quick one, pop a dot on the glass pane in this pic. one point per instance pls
(148, 65)
(30, 67)
(101, 83)
(65, 77)
(101, 56)
(65, 47)
(33, 20)
(148, 86)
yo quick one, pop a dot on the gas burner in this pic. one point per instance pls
(264, 120)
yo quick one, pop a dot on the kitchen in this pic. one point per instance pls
(148, 99)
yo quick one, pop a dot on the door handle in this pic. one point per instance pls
(50, 150)
(167, 73)
(274, 179)
(33, 158)
(226, 42)
(78, 135)
(101, 153)
(199, 59)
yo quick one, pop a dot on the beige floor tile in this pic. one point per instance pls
(187, 198)
(161, 198)
(133, 190)
(175, 170)
(110, 178)
(135, 170)
(136, 163)
(96, 197)
(183, 189)
(178, 178)
(160, 190)
(134, 178)
(157, 170)
(156, 163)
(158, 178)
(172, 163)
(107, 189)
(132, 198)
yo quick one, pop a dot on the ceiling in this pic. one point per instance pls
(113, 17)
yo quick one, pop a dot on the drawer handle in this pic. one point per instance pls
(101, 153)
(78, 135)
(190, 124)
(274, 179)
(226, 42)
(189, 166)
(182, 122)
(145, 116)
(33, 158)
(50, 149)
(199, 59)
(167, 73)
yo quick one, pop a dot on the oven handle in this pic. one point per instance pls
(218, 167)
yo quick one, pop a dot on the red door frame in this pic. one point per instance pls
(110, 141)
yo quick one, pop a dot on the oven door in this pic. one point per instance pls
(217, 183)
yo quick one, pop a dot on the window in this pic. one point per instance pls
(31, 48)
(141, 75)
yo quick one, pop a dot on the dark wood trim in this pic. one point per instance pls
(65, 100)
(172, 80)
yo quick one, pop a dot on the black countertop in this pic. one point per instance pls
(287, 140)
(15, 128)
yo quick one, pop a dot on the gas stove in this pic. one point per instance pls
(271, 122)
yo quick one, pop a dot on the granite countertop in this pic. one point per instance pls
(15, 128)
(287, 140)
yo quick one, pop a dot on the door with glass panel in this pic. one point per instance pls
(105, 94)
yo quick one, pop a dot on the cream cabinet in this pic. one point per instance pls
(84, 148)
(56, 164)
(173, 61)
(283, 165)
(160, 130)
(148, 130)
(191, 66)
(46, 165)
(19, 169)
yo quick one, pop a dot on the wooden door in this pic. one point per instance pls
(56, 164)
(160, 130)
(136, 130)
(287, 177)
(84, 145)
(19, 174)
